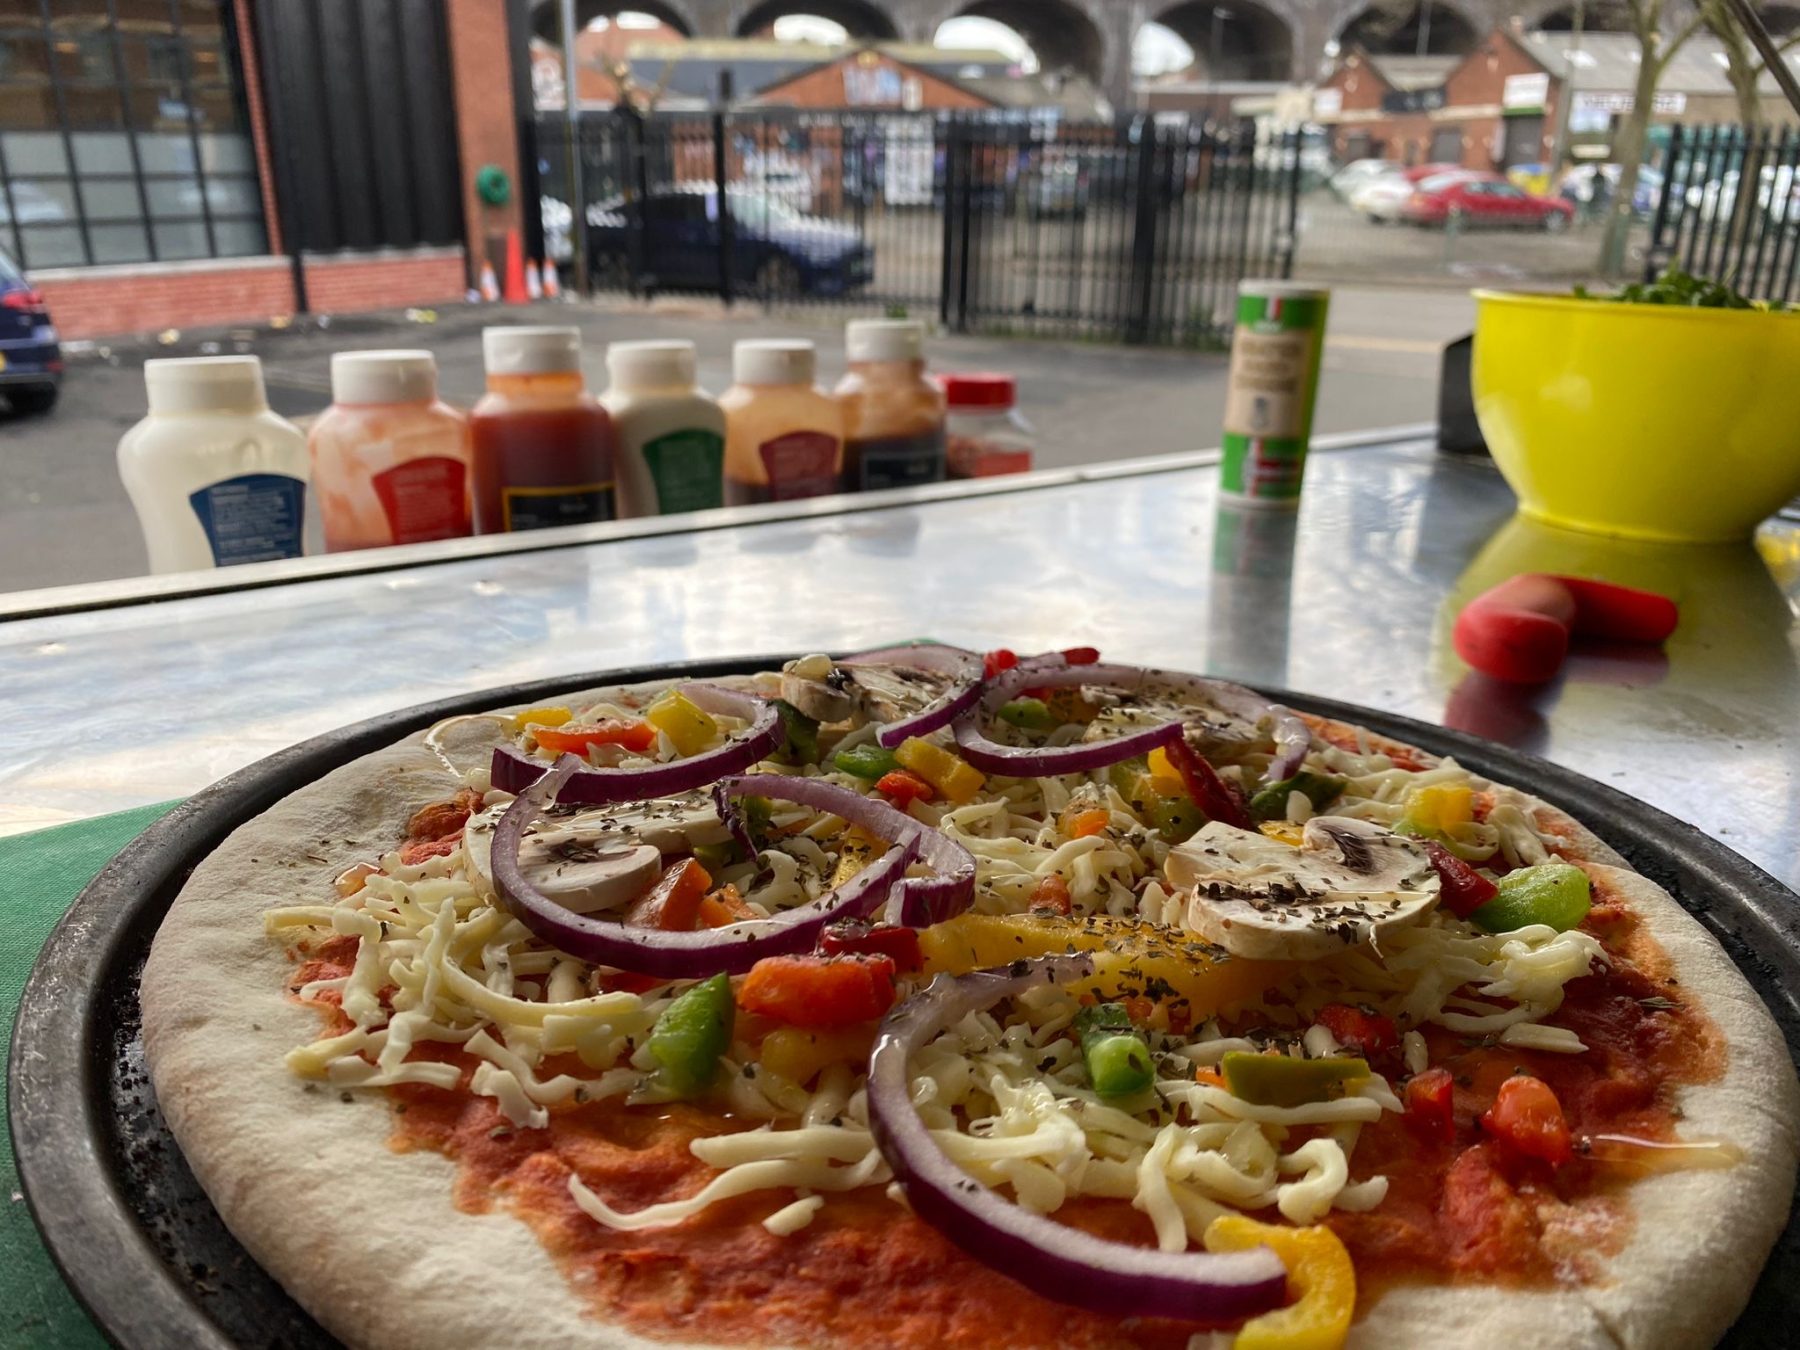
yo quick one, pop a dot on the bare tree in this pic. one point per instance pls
(1744, 65)
(1660, 34)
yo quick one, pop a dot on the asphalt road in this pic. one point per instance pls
(64, 517)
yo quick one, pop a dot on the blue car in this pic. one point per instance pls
(31, 364)
(776, 250)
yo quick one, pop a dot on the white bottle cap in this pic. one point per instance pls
(206, 384)
(531, 351)
(773, 361)
(651, 365)
(383, 377)
(884, 340)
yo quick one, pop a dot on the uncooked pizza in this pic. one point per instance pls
(922, 998)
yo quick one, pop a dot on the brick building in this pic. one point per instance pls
(1500, 105)
(175, 163)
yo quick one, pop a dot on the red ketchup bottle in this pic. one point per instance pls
(543, 446)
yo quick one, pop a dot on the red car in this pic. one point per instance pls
(1483, 199)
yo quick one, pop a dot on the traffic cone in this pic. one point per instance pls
(552, 282)
(515, 269)
(490, 284)
(534, 284)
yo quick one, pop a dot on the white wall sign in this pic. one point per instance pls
(1525, 91)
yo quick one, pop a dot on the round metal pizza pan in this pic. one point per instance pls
(148, 1257)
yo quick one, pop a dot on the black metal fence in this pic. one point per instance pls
(1730, 208)
(1136, 232)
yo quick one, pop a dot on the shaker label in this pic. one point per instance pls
(425, 499)
(256, 517)
(687, 468)
(896, 461)
(535, 508)
(800, 464)
(1267, 384)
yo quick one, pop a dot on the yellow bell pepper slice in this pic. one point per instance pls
(1165, 778)
(688, 726)
(538, 717)
(1436, 810)
(1291, 835)
(950, 774)
(1321, 1279)
(798, 1054)
(1129, 959)
(857, 848)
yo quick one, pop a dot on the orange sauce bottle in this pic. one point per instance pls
(784, 436)
(893, 415)
(543, 446)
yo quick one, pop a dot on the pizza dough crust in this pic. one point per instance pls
(369, 1241)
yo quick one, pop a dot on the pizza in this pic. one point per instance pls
(921, 997)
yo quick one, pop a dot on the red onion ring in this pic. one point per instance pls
(923, 900)
(1293, 738)
(674, 955)
(963, 667)
(512, 770)
(1049, 1258)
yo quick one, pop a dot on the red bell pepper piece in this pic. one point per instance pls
(1520, 629)
(1461, 889)
(673, 904)
(1527, 1118)
(859, 937)
(1081, 656)
(996, 661)
(819, 991)
(1052, 894)
(1428, 1101)
(1369, 1033)
(1205, 787)
(576, 738)
(903, 787)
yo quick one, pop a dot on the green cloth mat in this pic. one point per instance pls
(42, 873)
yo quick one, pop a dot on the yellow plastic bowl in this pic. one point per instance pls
(1644, 421)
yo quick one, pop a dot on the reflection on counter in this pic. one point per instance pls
(1252, 592)
(1733, 636)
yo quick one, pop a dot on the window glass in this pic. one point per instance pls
(97, 152)
(34, 152)
(120, 243)
(215, 108)
(46, 201)
(240, 238)
(111, 199)
(27, 106)
(51, 246)
(173, 197)
(24, 58)
(165, 152)
(180, 239)
(234, 196)
(228, 152)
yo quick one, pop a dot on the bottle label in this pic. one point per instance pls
(687, 469)
(800, 464)
(256, 517)
(543, 508)
(895, 461)
(425, 499)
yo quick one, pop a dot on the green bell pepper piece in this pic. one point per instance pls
(1320, 789)
(1550, 893)
(799, 734)
(1029, 714)
(690, 1036)
(1175, 818)
(1118, 1058)
(867, 760)
(716, 857)
(1282, 1080)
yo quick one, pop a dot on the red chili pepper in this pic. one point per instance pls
(1205, 787)
(1081, 656)
(1370, 1033)
(1428, 1099)
(996, 661)
(1461, 889)
(579, 737)
(1052, 894)
(859, 937)
(903, 788)
(1527, 1118)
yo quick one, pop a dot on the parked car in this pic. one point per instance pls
(1468, 199)
(1359, 173)
(1383, 198)
(31, 364)
(775, 248)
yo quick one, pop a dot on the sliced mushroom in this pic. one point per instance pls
(1262, 899)
(586, 877)
(881, 693)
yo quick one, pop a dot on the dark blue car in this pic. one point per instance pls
(775, 249)
(31, 363)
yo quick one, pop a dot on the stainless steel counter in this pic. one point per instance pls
(109, 708)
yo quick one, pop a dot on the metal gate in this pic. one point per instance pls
(1729, 209)
(1137, 232)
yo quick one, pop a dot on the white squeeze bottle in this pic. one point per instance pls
(671, 436)
(217, 479)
